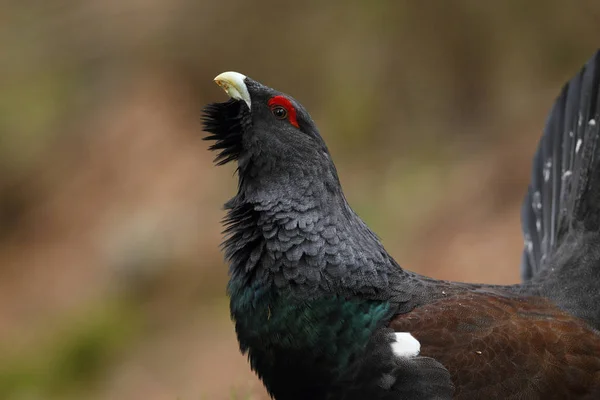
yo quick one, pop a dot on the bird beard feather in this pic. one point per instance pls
(226, 122)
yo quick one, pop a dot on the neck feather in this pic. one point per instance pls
(309, 241)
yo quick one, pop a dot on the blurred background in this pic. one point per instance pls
(112, 285)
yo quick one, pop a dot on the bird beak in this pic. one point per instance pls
(233, 84)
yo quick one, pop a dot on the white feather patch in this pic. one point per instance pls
(405, 345)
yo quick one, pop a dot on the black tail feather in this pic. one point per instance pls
(564, 193)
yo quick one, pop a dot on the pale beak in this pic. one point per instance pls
(233, 84)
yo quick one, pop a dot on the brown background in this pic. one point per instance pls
(111, 279)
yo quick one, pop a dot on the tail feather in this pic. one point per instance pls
(564, 193)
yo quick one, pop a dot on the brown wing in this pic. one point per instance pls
(507, 348)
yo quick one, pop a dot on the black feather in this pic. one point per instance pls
(227, 123)
(562, 192)
(243, 245)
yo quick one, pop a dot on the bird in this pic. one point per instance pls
(324, 312)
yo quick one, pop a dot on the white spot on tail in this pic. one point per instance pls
(592, 122)
(547, 168)
(578, 145)
(537, 201)
(405, 345)
(528, 243)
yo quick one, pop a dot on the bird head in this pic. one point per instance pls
(289, 224)
(272, 137)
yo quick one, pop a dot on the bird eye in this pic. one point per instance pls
(279, 112)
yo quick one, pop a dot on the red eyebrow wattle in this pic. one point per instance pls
(285, 103)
